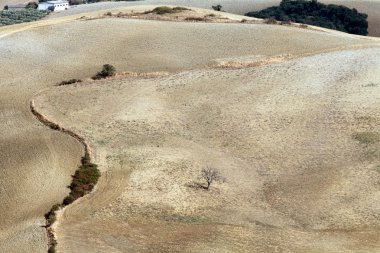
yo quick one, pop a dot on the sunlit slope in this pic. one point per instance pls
(371, 7)
(283, 136)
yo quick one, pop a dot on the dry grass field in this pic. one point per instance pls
(371, 7)
(292, 127)
(281, 135)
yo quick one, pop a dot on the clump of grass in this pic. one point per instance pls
(71, 81)
(371, 85)
(161, 10)
(270, 21)
(102, 142)
(366, 137)
(285, 22)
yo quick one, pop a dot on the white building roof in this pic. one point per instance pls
(57, 2)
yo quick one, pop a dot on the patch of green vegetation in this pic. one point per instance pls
(167, 10)
(84, 180)
(52, 247)
(367, 137)
(11, 17)
(102, 142)
(50, 216)
(337, 17)
(371, 85)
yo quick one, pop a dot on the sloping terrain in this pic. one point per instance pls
(371, 7)
(281, 135)
(172, 126)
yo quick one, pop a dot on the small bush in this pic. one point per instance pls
(167, 10)
(107, 71)
(180, 9)
(52, 249)
(32, 5)
(50, 216)
(217, 7)
(68, 200)
(71, 81)
(367, 137)
(52, 246)
(270, 21)
(162, 10)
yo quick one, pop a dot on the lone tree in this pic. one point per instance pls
(210, 175)
(217, 7)
(108, 70)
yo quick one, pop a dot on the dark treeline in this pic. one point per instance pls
(330, 16)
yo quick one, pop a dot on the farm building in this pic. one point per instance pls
(53, 5)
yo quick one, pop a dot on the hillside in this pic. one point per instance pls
(279, 125)
(370, 7)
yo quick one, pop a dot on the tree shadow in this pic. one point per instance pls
(196, 186)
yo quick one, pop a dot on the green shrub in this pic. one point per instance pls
(161, 10)
(50, 216)
(107, 71)
(52, 246)
(337, 17)
(367, 137)
(68, 200)
(217, 7)
(178, 8)
(52, 249)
